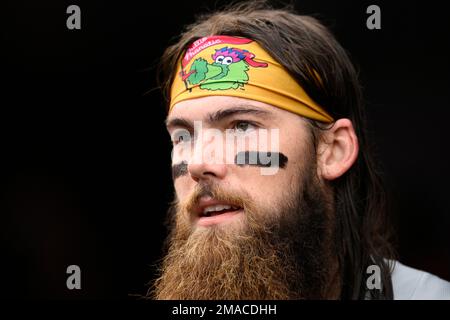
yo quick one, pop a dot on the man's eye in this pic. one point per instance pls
(181, 136)
(244, 126)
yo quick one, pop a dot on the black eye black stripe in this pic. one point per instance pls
(261, 159)
(179, 169)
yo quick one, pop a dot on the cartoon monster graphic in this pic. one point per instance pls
(227, 71)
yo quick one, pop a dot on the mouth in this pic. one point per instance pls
(211, 212)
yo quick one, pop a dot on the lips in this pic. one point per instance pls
(211, 211)
(218, 209)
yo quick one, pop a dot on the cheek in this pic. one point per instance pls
(266, 191)
(183, 187)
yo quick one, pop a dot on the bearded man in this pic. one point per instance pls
(277, 195)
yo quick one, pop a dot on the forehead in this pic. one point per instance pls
(202, 107)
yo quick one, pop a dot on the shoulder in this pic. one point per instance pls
(413, 284)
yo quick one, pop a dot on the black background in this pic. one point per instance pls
(85, 178)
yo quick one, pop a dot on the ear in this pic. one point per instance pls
(337, 150)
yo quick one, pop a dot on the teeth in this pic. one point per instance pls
(218, 207)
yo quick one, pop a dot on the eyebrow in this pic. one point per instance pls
(219, 116)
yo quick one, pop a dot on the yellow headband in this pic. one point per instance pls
(234, 66)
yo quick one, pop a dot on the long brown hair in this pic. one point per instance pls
(301, 44)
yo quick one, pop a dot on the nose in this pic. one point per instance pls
(205, 171)
(207, 160)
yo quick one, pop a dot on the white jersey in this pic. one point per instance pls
(413, 284)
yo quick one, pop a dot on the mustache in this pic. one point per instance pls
(237, 198)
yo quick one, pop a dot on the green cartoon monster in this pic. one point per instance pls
(228, 71)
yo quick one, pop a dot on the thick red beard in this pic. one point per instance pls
(284, 253)
(212, 263)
